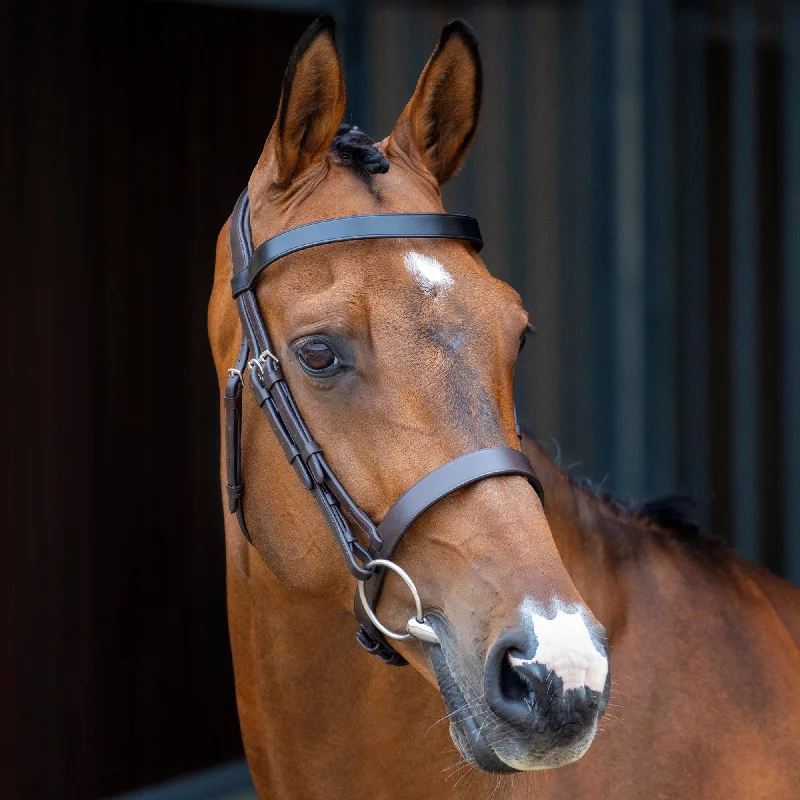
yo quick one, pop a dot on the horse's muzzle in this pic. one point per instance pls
(542, 699)
(550, 692)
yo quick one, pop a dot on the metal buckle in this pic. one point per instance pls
(417, 626)
(257, 364)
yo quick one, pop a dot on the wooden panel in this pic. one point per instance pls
(134, 129)
(744, 432)
(536, 160)
(691, 185)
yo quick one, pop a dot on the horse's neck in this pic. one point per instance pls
(670, 596)
(313, 706)
(624, 566)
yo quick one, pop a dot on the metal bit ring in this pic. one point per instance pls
(418, 626)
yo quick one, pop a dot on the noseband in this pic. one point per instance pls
(368, 564)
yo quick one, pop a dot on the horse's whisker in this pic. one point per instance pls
(496, 787)
(460, 708)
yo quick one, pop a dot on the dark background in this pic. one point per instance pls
(128, 135)
(637, 179)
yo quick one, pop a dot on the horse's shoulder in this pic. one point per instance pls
(782, 596)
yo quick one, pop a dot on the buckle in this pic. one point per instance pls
(257, 364)
(376, 648)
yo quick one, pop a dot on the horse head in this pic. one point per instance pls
(400, 355)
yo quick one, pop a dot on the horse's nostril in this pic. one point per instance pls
(513, 685)
(513, 693)
(536, 696)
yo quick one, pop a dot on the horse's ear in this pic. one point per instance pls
(312, 101)
(439, 122)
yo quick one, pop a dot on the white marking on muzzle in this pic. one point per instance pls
(431, 276)
(566, 648)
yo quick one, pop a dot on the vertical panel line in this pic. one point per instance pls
(791, 294)
(744, 299)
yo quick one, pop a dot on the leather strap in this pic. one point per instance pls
(443, 481)
(240, 237)
(240, 245)
(232, 400)
(429, 490)
(275, 400)
(346, 229)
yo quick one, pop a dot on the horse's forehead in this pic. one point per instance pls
(385, 271)
(436, 287)
(429, 274)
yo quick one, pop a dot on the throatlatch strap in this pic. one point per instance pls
(240, 246)
(232, 400)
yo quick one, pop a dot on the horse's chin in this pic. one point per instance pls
(476, 731)
(465, 724)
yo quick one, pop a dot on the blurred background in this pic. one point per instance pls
(636, 177)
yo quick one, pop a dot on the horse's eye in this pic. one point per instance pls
(317, 356)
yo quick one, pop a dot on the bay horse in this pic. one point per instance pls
(400, 353)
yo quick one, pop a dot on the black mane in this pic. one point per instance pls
(675, 511)
(351, 147)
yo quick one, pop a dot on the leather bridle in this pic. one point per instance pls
(275, 399)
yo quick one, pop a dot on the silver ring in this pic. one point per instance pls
(382, 562)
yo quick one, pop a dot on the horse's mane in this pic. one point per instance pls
(674, 511)
(352, 148)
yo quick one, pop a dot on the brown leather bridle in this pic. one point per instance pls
(274, 397)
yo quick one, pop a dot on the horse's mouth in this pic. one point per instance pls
(470, 717)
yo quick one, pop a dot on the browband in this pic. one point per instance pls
(346, 229)
(275, 399)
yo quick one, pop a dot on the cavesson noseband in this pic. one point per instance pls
(367, 564)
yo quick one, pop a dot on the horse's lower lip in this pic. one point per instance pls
(477, 750)
(464, 729)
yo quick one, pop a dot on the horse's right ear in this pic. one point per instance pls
(312, 102)
(440, 121)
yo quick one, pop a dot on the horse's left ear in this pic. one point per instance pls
(439, 122)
